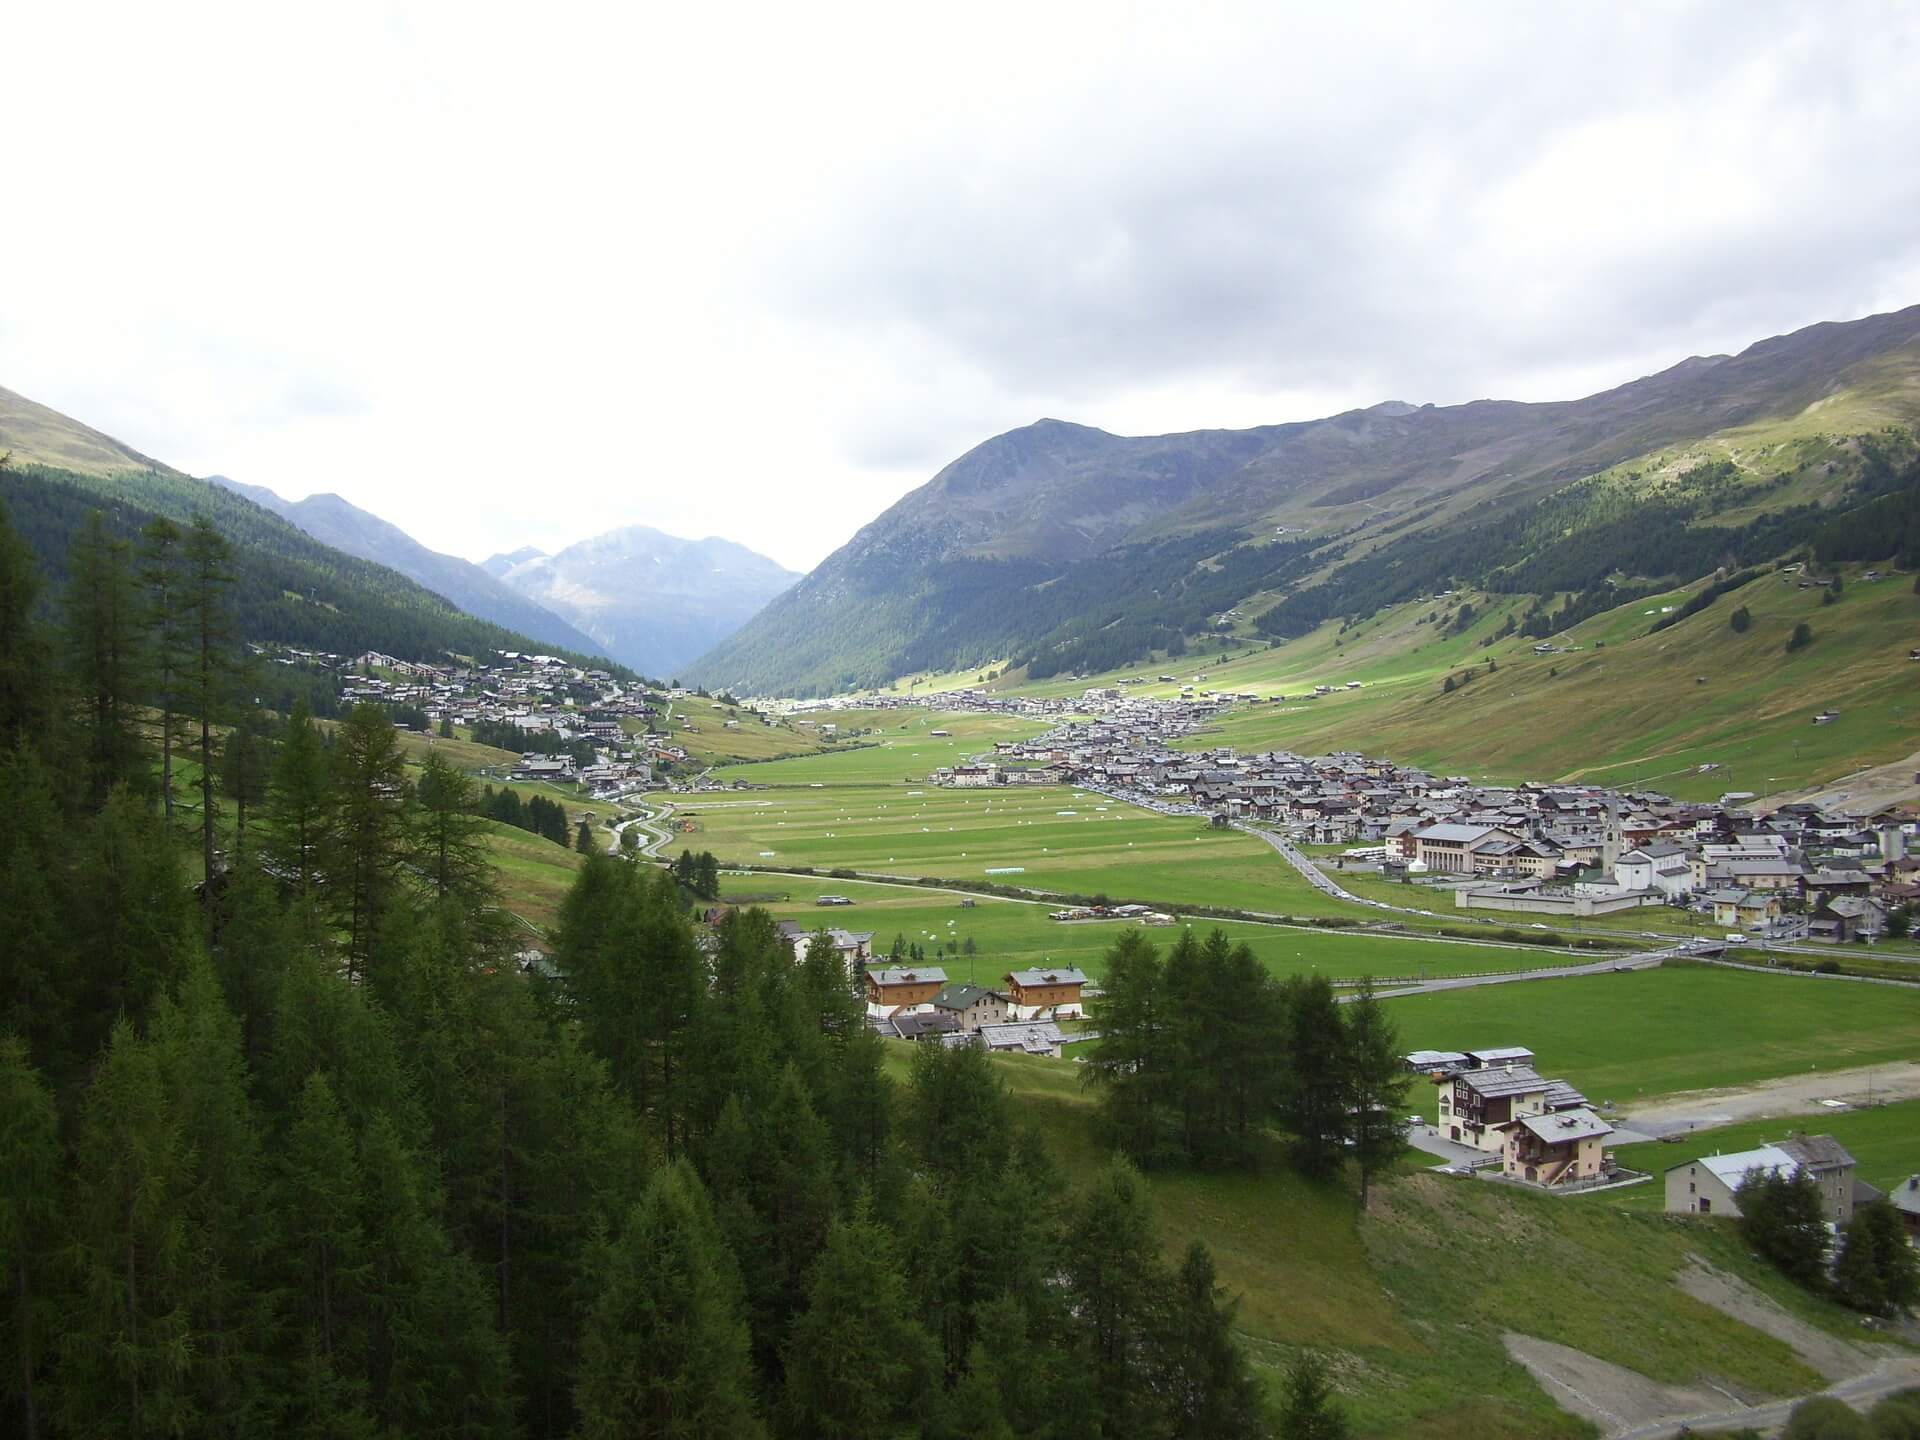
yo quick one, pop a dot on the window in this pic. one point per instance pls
(1706, 1205)
(1690, 1187)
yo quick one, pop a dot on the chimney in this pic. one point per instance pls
(1509, 1067)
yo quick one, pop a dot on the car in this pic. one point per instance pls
(1415, 1122)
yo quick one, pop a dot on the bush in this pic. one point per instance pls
(1801, 638)
(1824, 1418)
(1741, 620)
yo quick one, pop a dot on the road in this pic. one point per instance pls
(1887, 1377)
(1643, 960)
(1791, 1095)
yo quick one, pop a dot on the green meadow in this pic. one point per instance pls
(1015, 934)
(1639, 1034)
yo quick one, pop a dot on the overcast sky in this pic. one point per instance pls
(519, 274)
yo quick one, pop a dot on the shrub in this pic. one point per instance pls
(1824, 1418)
(1741, 620)
(1801, 638)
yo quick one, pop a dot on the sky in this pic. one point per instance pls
(511, 275)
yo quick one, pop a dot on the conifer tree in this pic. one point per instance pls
(1308, 1409)
(29, 1225)
(1117, 1284)
(665, 1351)
(244, 768)
(104, 656)
(583, 840)
(449, 838)
(299, 806)
(1377, 1083)
(38, 996)
(1313, 1097)
(23, 669)
(161, 580)
(859, 1364)
(1212, 1389)
(1877, 1270)
(367, 839)
(212, 654)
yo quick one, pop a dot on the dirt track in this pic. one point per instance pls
(1793, 1095)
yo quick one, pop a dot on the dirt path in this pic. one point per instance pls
(1794, 1095)
(1864, 790)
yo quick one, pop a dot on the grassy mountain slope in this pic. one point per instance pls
(290, 587)
(345, 526)
(1064, 548)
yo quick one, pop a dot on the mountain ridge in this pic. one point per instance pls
(336, 521)
(1024, 508)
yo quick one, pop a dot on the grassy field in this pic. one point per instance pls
(699, 726)
(1414, 1295)
(1654, 1032)
(901, 744)
(1046, 838)
(534, 874)
(1885, 1139)
(1626, 708)
(1012, 934)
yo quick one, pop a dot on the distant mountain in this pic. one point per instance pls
(1058, 547)
(345, 526)
(498, 565)
(653, 601)
(290, 587)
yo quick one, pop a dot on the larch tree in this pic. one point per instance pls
(212, 656)
(161, 579)
(1377, 1082)
(299, 805)
(29, 1225)
(368, 835)
(664, 1351)
(104, 655)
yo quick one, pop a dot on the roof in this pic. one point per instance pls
(1500, 1054)
(1562, 1096)
(1064, 976)
(1731, 1170)
(1906, 1195)
(1818, 1152)
(959, 997)
(1491, 1084)
(1564, 1125)
(1435, 1059)
(1035, 1038)
(927, 975)
(911, 1027)
(1453, 834)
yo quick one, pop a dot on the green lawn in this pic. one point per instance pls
(1654, 1032)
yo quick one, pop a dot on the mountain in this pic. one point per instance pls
(1057, 547)
(498, 565)
(289, 586)
(345, 526)
(653, 601)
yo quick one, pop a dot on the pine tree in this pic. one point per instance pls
(161, 578)
(665, 1349)
(368, 836)
(1313, 1104)
(29, 1223)
(1110, 1254)
(244, 767)
(23, 669)
(583, 840)
(1212, 1388)
(858, 1364)
(1377, 1083)
(104, 656)
(1877, 1270)
(1782, 1218)
(449, 838)
(706, 877)
(212, 654)
(1308, 1409)
(323, 1268)
(299, 806)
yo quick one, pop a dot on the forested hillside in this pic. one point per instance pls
(1057, 548)
(290, 1144)
(290, 588)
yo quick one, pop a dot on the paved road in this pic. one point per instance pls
(1646, 960)
(1860, 1392)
